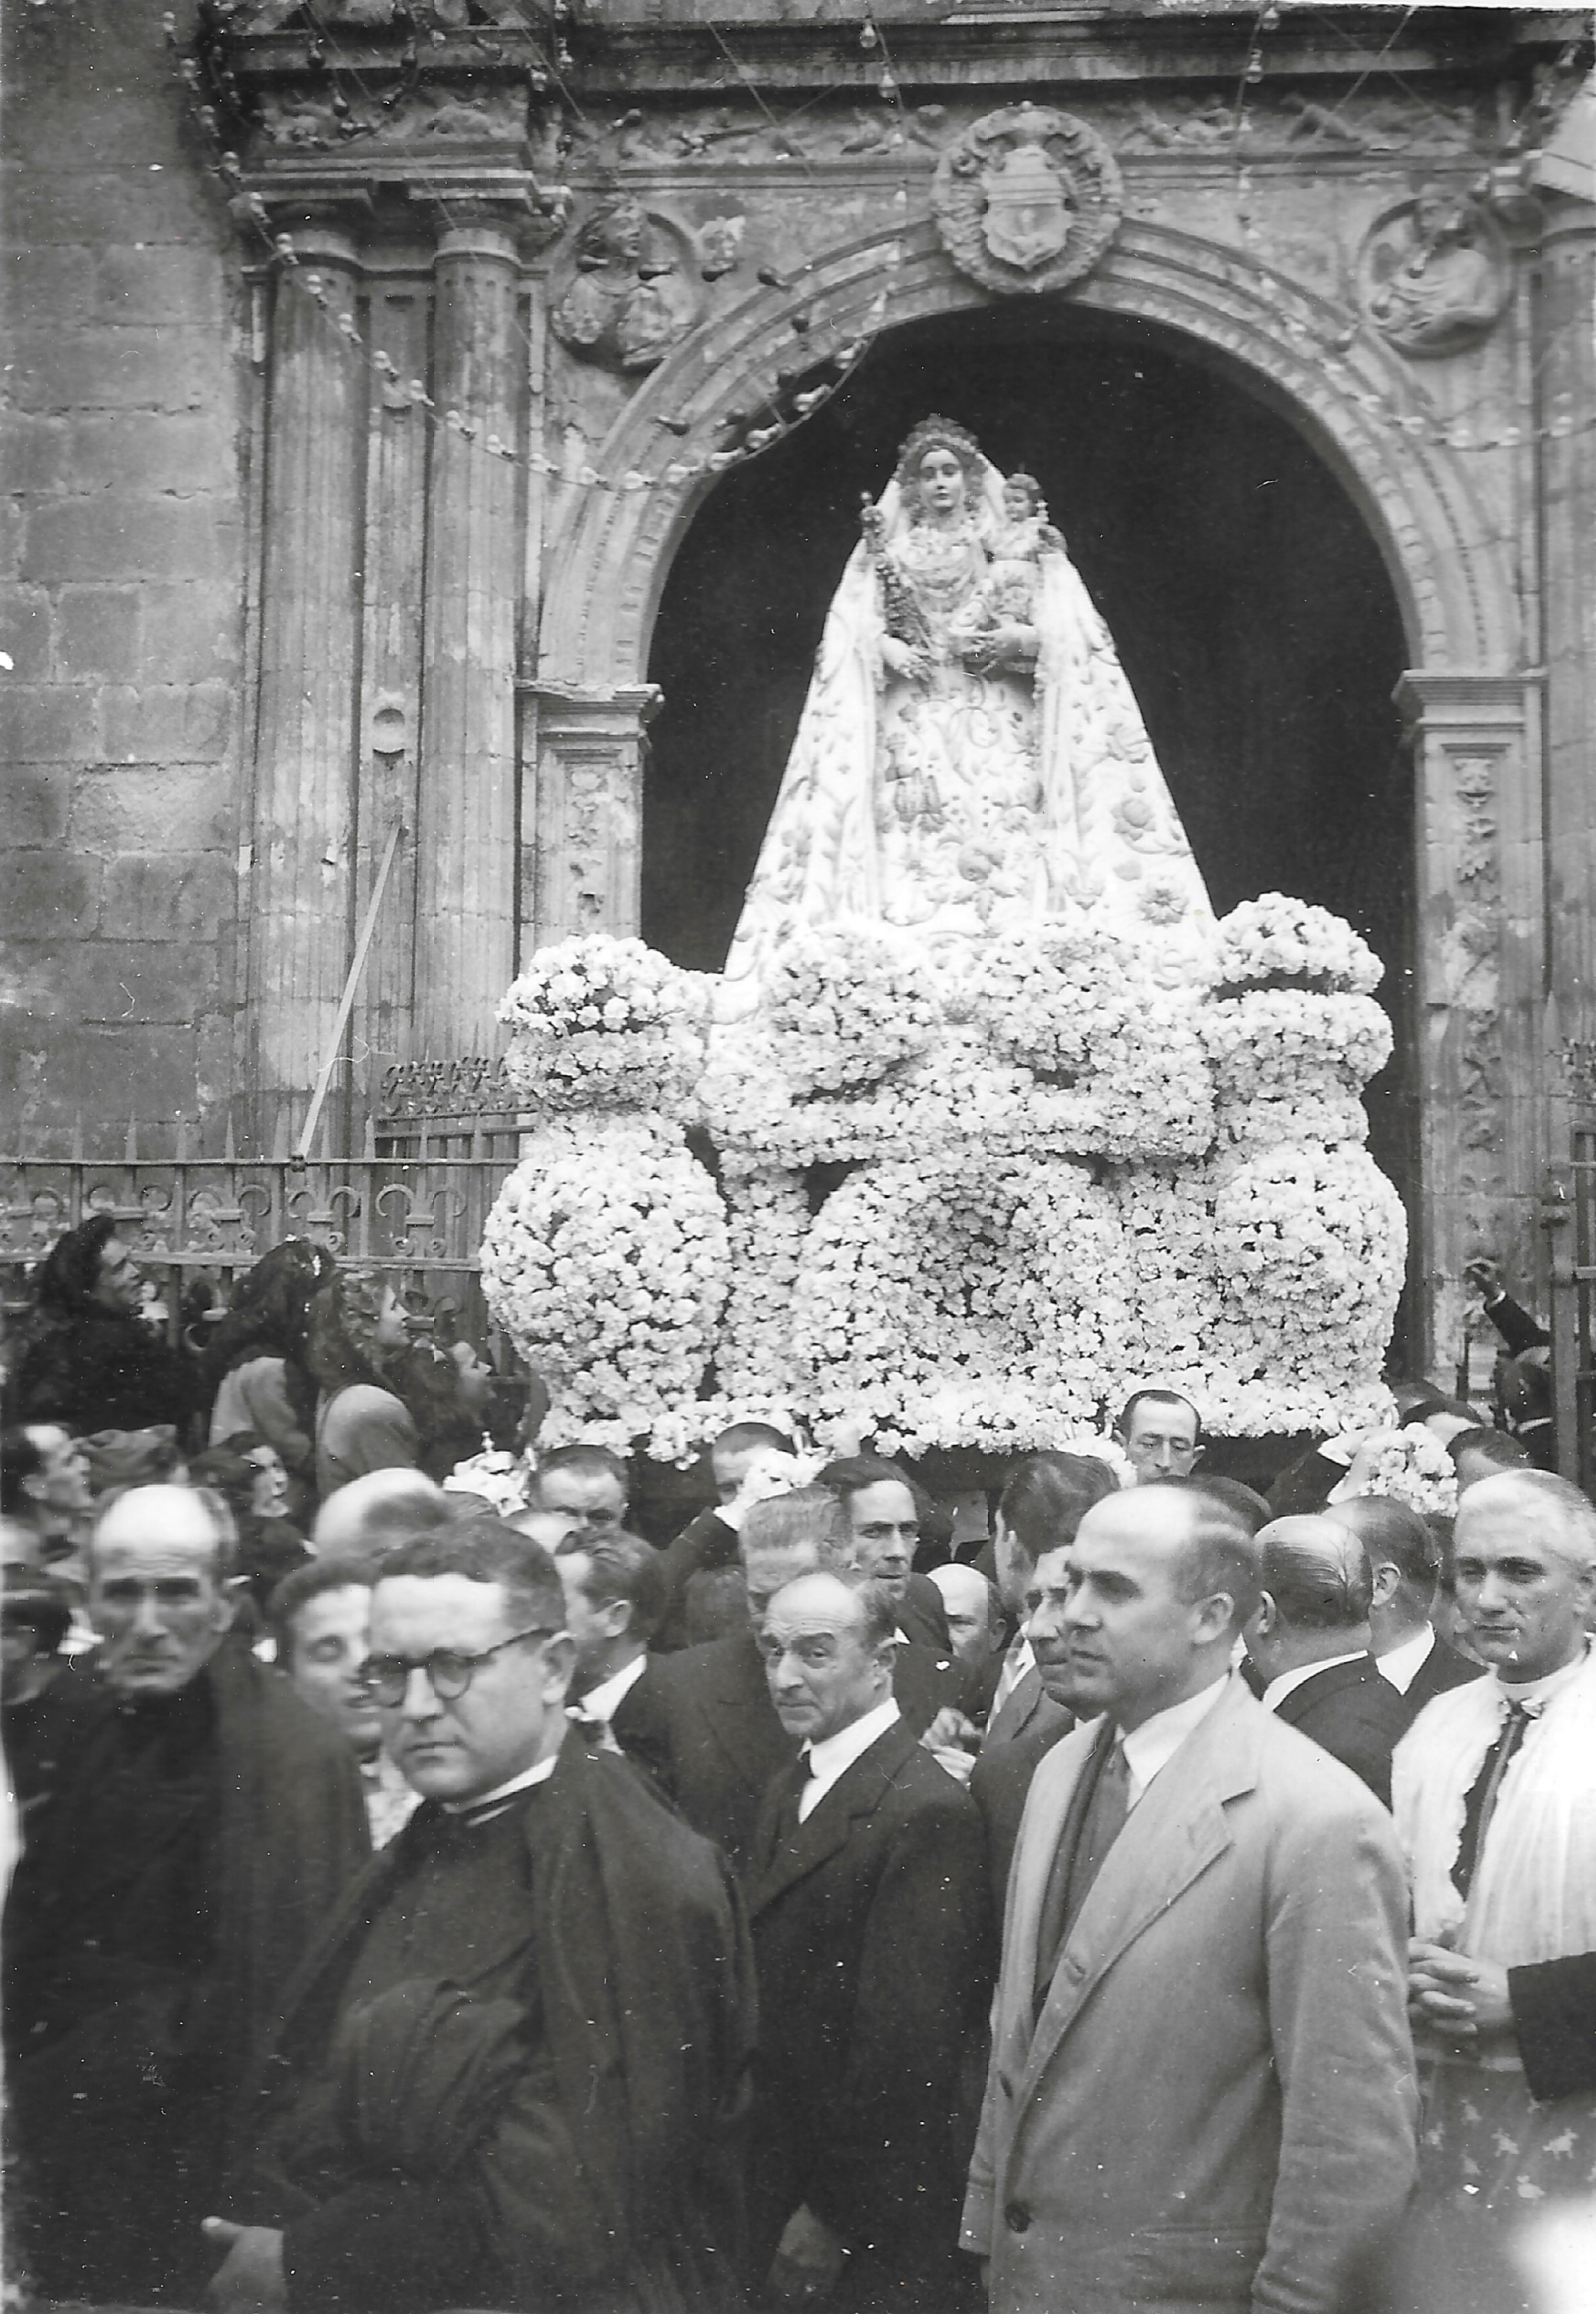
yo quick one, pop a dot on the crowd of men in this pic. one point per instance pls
(1172, 1899)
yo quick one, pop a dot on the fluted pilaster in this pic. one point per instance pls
(299, 909)
(465, 859)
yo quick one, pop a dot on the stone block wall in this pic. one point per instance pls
(121, 586)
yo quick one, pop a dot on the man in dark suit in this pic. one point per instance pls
(512, 2071)
(1309, 1637)
(1405, 1563)
(614, 1597)
(872, 1950)
(203, 1826)
(722, 1741)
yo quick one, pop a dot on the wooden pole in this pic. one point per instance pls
(347, 1003)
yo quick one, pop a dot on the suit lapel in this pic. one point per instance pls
(856, 1793)
(1173, 1835)
(1018, 1707)
(739, 1715)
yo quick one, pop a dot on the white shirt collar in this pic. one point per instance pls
(602, 1701)
(1017, 1660)
(1151, 1746)
(1277, 1691)
(1402, 1665)
(1542, 1691)
(831, 1759)
(521, 1783)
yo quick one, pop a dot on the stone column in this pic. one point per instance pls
(299, 893)
(1566, 354)
(586, 864)
(1480, 963)
(465, 853)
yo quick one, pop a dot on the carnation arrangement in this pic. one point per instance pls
(606, 1261)
(1412, 1467)
(601, 1022)
(969, 1206)
(1275, 938)
(845, 1003)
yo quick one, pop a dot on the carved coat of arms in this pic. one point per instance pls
(1026, 199)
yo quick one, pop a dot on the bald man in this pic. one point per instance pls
(205, 1827)
(870, 1925)
(1310, 1640)
(1202, 2087)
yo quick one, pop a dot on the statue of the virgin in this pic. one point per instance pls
(970, 756)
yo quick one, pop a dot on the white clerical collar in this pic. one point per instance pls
(1288, 1681)
(1540, 1691)
(831, 1759)
(1400, 1666)
(602, 1701)
(521, 1783)
(1151, 1746)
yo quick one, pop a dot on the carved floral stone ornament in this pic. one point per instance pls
(627, 294)
(1435, 276)
(1028, 199)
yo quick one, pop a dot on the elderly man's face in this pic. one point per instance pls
(156, 1595)
(510, 1714)
(822, 1671)
(1524, 1606)
(330, 1647)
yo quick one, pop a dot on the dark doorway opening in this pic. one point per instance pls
(1252, 613)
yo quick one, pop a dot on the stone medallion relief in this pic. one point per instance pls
(627, 294)
(1435, 276)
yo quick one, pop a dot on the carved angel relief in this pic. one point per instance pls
(1026, 199)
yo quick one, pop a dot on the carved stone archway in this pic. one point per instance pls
(1470, 706)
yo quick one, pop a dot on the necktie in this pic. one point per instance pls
(1078, 1861)
(794, 1786)
(594, 1724)
(1480, 1806)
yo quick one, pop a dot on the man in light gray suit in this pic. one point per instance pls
(1202, 2090)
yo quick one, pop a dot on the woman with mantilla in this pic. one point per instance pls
(970, 756)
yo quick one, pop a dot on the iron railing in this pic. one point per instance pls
(414, 1202)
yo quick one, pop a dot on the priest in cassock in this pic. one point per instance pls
(511, 2074)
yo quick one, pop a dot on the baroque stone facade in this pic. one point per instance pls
(377, 358)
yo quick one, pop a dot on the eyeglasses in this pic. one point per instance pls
(449, 1669)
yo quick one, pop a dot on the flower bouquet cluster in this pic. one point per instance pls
(1290, 1063)
(1412, 1466)
(606, 1259)
(845, 1003)
(1052, 998)
(1274, 938)
(975, 1304)
(1309, 1246)
(602, 1022)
